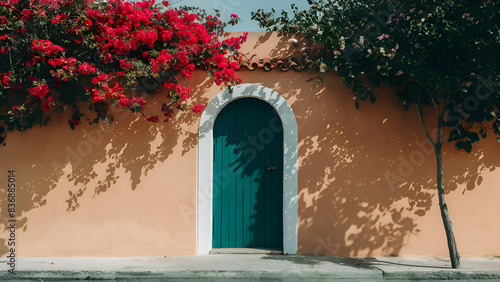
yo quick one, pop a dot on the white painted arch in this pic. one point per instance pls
(205, 164)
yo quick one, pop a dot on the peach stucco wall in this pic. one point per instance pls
(129, 188)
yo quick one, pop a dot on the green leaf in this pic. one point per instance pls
(468, 147)
(473, 137)
(136, 108)
(483, 133)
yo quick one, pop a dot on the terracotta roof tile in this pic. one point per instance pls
(284, 64)
(269, 63)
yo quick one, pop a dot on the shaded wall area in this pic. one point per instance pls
(366, 177)
(103, 190)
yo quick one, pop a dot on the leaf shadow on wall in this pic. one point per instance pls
(91, 158)
(366, 176)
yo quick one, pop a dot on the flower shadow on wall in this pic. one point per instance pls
(89, 160)
(366, 176)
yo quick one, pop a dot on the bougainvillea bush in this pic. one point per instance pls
(57, 55)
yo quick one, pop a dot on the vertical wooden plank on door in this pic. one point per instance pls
(216, 201)
(278, 184)
(240, 188)
(230, 202)
(227, 183)
(260, 184)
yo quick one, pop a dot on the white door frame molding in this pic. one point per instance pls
(205, 164)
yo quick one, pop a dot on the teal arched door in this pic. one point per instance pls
(248, 176)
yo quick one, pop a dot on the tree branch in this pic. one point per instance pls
(428, 91)
(434, 103)
(440, 135)
(423, 125)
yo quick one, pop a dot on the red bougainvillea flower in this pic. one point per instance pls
(124, 102)
(27, 15)
(5, 78)
(86, 68)
(58, 18)
(99, 98)
(198, 108)
(139, 100)
(40, 91)
(187, 72)
(124, 64)
(45, 106)
(153, 119)
(45, 47)
(74, 122)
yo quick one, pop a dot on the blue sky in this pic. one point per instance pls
(242, 8)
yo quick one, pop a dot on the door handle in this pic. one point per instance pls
(272, 168)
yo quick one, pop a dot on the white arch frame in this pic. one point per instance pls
(205, 164)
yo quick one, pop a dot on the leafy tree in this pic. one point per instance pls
(437, 53)
(57, 55)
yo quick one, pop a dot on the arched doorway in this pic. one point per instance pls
(248, 176)
(205, 181)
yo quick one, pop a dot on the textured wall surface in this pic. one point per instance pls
(366, 177)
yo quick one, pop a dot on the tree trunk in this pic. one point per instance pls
(445, 215)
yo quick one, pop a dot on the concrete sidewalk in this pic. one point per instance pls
(250, 267)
